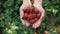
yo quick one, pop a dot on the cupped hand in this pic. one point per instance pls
(38, 6)
(25, 5)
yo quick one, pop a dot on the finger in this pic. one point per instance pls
(42, 13)
(27, 24)
(23, 22)
(37, 24)
(21, 12)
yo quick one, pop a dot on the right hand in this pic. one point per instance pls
(38, 5)
(26, 4)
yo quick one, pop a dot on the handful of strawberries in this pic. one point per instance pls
(31, 15)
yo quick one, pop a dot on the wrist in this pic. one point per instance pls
(26, 1)
(38, 1)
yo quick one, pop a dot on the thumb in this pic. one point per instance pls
(21, 15)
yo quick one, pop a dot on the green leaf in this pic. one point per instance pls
(8, 3)
(19, 2)
(1, 23)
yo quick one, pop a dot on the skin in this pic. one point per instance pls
(38, 5)
(26, 4)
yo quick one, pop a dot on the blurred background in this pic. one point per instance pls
(10, 20)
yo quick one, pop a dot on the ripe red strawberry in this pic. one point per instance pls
(31, 9)
(35, 10)
(27, 10)
(25, 15)
(29, 16)
(32, 21)
(38, 16)
(34, 15)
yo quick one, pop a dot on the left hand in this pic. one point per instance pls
(26, 4)
(38, 6)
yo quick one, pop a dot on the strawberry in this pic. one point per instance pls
(29, 16)
(31, 9)
(27, 10)
(38, 16)
(25, 15)
(35, 10)
(32, 21)
(34, 15)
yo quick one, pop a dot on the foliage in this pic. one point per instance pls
(10, 19)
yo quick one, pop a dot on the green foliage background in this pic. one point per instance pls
(10, 19)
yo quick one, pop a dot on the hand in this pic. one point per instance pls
(38, 6)
(26, 4)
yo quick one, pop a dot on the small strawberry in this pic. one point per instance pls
(29, 16)
(32, 21)
(25, 15)
(38, 16)
(35, 10)
(27, 10)
(31, 9)
(34, 15)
